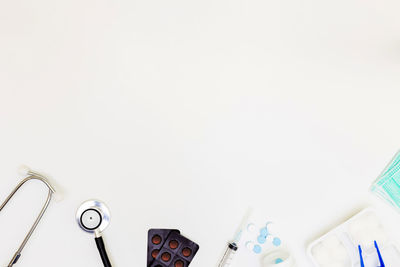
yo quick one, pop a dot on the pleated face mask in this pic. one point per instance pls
(387, 185)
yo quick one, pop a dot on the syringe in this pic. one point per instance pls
(228, 255)
(232, 247)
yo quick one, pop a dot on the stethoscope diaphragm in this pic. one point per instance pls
(91, 219)
(93, 216)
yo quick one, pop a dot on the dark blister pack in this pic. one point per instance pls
(177, 251)
(156, 240)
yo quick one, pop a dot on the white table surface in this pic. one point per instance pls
(183, 113)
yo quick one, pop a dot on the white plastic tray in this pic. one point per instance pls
(339, 247)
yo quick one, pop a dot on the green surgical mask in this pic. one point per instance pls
(387, 185)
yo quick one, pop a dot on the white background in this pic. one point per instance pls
(183, 113)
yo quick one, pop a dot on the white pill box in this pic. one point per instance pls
(339, 247)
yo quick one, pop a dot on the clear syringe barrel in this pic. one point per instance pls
(228, 255)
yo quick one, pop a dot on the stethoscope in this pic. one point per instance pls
(30, 175)
(93, 217)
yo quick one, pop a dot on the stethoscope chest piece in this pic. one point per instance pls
(93, 216)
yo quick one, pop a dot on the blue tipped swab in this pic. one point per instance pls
(382, 264)
(379, 254)
(361, 257)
